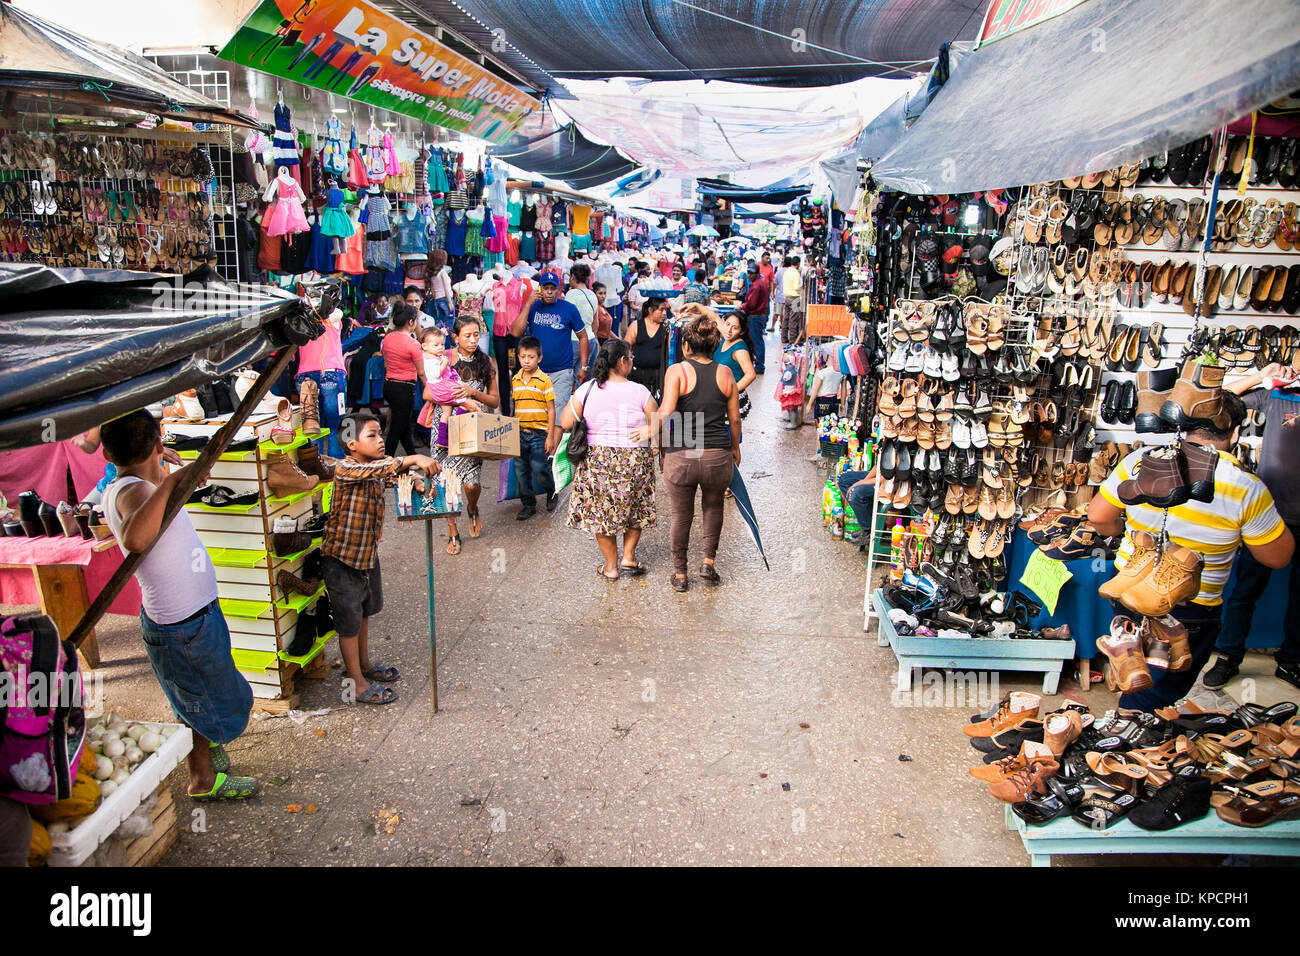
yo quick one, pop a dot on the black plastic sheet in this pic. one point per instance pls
(78, 347)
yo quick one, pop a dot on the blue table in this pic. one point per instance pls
(1089, 614)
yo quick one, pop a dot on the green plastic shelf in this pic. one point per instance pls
(315, 543)
(229, 509)
(299, 439)
(299, 601)
(225, 456)
(316, 648)
(236, 558)
(298, 495)
(254, 662)
(235, 607)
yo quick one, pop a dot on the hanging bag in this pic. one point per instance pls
(578, 447)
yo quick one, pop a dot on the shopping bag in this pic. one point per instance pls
(508, 487)
(561, 467)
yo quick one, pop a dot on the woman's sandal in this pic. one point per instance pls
(600, 570)
(1038, 810)
(227, 787)
(453, 544)
(376, 694)
(475, 523)
(381, 672)
(1100, 812)
(632, 570)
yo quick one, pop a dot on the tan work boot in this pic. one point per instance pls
(309, 399)
(1139, 563)
(1175, 579)
(1154, 389)
(284, 479)
(1061, 729)
(1197, 398)
(1019, 708)
(1171, 631)
(1029, 779)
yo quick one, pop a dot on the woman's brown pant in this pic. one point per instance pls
(684, 471)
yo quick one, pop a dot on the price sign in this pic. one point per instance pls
(1045, 577)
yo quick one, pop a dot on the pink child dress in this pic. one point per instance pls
(391, 165)
(285, 213)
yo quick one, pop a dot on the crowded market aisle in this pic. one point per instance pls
(612, 722)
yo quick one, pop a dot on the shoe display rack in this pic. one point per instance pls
(133, 200)
(262, 619)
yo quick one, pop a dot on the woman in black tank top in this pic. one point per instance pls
(648, 339)
(701, 415)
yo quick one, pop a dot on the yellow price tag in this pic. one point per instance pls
(1045, 577)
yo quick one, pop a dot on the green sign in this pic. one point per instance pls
(1045, 577)
(358, 51)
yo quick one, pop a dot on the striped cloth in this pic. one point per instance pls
(1242, 510)
(528, 396)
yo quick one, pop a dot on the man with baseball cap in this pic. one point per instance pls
(553, 322)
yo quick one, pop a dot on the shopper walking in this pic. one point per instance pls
(735, 352)
(777, 299)
(649, 340)
(403, 372)
(754, 310)
(792, 309)
(553, 322)
(478, 387)
(588, 305)
(701, 416)
(1279, 469)
(614, 486)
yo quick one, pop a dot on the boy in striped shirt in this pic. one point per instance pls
(533, 398)
(1241, 512)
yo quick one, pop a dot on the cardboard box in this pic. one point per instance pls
(483, 435)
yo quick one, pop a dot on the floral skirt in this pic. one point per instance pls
(613, 490)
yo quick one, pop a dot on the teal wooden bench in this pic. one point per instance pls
(978, 653)
(1209, 834)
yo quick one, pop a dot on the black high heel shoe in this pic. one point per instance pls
(29, 513)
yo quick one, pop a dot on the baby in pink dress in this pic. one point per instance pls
(441, 380)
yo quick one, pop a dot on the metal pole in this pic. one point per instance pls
(181, 493)
(433, 634)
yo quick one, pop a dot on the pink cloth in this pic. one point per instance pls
(507, 299)
(322, 354)
(285, 215)
(500, 242)
(18, 585)
(45, 468)
(613, 412)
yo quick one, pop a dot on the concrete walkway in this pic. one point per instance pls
(586, 722)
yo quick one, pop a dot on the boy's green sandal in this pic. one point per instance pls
(229, 788)
(220, 761)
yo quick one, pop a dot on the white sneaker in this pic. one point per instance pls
(284, 525)
(954, 634)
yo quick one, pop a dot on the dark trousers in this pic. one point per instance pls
(859, 499)
(616, 314)
(1202, 625)
(532, 467)
(1239, 608)
(684, 471)
(400, 397)
(501, 346)
(757, 329)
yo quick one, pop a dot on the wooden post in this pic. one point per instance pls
(181, 493)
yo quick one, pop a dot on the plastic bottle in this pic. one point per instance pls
(828, 500)
(896, 549)
(837, 521)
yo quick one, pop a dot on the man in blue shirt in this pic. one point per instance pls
(553, 322)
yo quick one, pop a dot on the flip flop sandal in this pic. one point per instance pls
(376, 694)
(632, 570)
(1100, 813)
(229, 788)
(223, 497)
(220, 760)
(453, 544)
(600, 572)
(1251, 715)
(474, 521)
(382, 672)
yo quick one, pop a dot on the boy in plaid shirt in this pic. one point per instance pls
(350, 552)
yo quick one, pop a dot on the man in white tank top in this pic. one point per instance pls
(185, 634)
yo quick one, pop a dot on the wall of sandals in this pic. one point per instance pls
(78, 199)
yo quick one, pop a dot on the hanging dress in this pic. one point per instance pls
(350, 261)
(391, 166)
(358, 178)
(333, 160)
(380, 250)
(375, 166)
(284, 144)
(438, 181)
(334, 221)
(256, 142)
(285, 215)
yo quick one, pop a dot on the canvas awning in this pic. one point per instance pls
(779, 42)
(80, 347)
(48, 69)
(777, 193)
(1105, 83)
(567, 156)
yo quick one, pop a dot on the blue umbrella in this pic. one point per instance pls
(741, 496)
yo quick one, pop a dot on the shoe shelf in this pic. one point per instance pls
(975, 653)
(261, 620)
(316, 648)
(1065, 837)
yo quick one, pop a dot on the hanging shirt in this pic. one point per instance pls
(581, 217)
(507, 299)
(456, 231)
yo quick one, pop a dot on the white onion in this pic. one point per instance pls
(134, 755)
(154, 728)
(105, 788)
(119, 777)
(169, 730)
(96, 747)
(114, 748)
(119, 763)
(150, 742)
(103, 768)
(111, 735)
(135, 731)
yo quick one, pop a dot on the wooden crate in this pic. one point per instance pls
(148, 849)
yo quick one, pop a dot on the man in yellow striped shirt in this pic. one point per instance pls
(1242, 510)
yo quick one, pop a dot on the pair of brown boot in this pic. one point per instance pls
(1153, 583)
